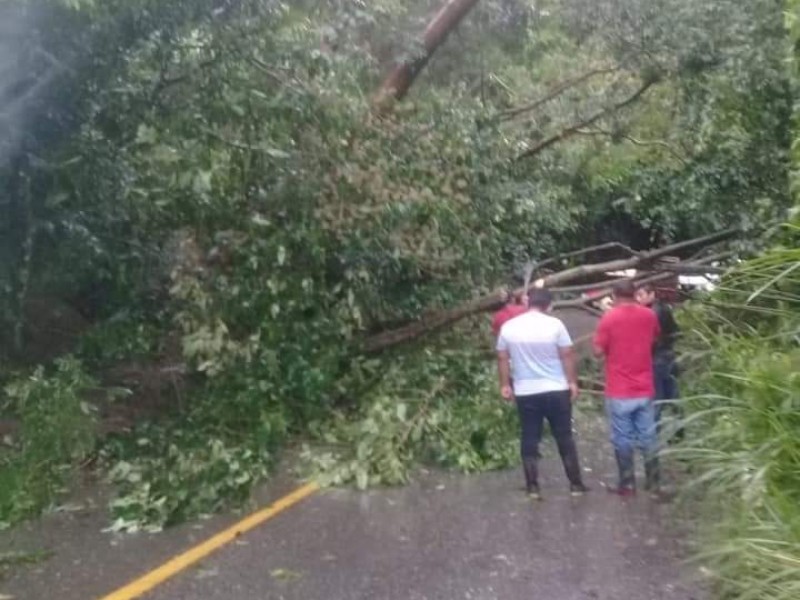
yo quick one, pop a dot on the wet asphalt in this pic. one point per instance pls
(442, 537)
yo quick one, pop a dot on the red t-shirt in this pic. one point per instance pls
(626, 335)
(508, 312)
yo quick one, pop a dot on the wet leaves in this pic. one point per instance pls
(285, 575)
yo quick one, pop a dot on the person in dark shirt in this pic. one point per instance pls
(664, 366)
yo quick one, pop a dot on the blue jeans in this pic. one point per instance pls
(633, 424)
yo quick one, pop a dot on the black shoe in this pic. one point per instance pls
(578, 489)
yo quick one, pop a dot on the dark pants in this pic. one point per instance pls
(556, 407)
(666, 384)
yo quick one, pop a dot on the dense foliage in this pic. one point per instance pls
(55, 433)
(206, 184)
(745, 360)
(743, 422)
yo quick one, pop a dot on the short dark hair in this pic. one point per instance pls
(624, 289)
(648, 287)
(540, 298)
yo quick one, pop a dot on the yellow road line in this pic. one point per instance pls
(159, 575)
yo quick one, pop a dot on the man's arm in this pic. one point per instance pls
(570, 364)
(504, 373)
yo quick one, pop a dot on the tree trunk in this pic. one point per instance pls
(398, 82)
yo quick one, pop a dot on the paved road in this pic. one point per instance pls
(443, 537)
(85, 563)
(475, 539)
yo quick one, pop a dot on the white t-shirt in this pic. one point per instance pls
(532, 340)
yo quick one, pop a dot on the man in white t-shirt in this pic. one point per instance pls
(538, 348)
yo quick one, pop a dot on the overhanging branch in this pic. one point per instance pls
(576, 127)
(635, 141)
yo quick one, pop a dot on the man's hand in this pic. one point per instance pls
(574, 391)
(507, 393)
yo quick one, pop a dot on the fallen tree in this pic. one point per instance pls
(638, 260)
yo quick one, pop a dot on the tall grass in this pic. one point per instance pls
(743, 419)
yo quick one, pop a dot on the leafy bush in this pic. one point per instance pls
(199, 462)
(177, 474)
(56, 432)
(439, 406)
(120, 338)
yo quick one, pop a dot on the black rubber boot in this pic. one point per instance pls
(652, 471)
(627, 477)
(531, 470)
(569, 458)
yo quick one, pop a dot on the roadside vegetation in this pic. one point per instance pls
(226, 228)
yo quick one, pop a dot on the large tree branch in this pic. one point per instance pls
(554, 92)
(576, 127)
(585, 287)
(584, 251)
(635, 141)
(435, 321)
(622, 264)
(396, 85)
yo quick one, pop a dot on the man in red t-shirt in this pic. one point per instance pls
(625, 337)
(517, 305)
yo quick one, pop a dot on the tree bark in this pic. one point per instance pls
(396, 85)
(430, 323)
